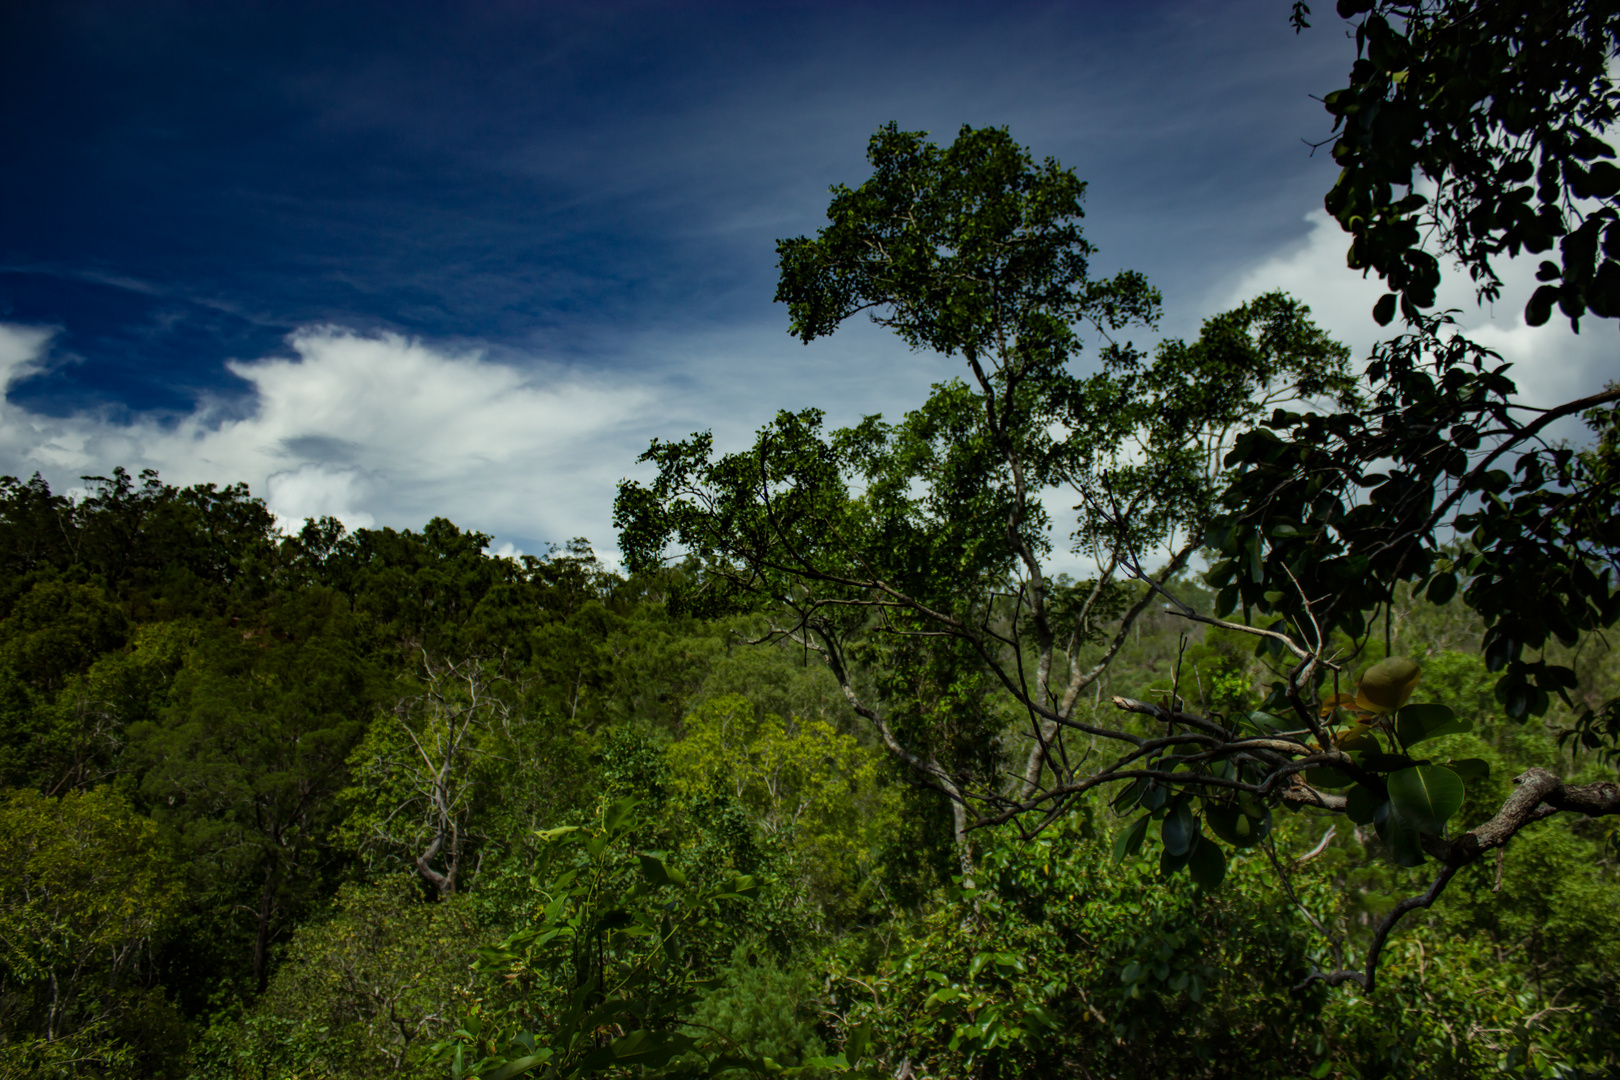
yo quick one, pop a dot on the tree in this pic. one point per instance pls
(801, 780)
(248, 757)
(1329, 516)
(89, 888)
(1479, 97)
(364, 993)
(604, 976)
(914, 557)
(420, 767)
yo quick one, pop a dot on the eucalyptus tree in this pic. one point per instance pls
(420, 768)
(915, 557)
(247, 757)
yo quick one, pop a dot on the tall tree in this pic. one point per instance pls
(914, 557)
(247, 759)
(1441, 481)
(420, 767)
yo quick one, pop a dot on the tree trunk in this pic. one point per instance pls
(261, 945)
(444, 884)
(959, 837)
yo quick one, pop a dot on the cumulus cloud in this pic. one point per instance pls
(21, 350)
(371, 429)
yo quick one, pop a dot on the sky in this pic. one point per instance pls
(390, 262)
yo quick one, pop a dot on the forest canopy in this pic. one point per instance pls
(847, 770)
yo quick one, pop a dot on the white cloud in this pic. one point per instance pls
(1551, 363)
(21, 350)
(371, 429)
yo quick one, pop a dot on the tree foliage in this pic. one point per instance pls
(1504, 107)
(913, 557)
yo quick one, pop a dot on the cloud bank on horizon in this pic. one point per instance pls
(368, 429)
(387, 263)
(375, 428)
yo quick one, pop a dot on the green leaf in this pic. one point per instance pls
(1361, 738)
(1402, 840)
(1442, 588)
(1207, 864)
(618, 816)
(521, 1065)
(1470, 768)
(658, 873)
(859, 1039)
(1172, 864)
(1426, 795)
(1378, 761)
(1415, 723)
(1326, 778)
(835, 1063)
(1130, 796)
(1179, 829)
(1265, 722)
(1361, 804)
(1237, 828)
(1129, 842)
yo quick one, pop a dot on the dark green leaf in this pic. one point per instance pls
(1326, 778)
(1172, 864)
(1442, 588)
(1229, 822)
(1426, 795)
(1179, 829)
(1384, 310)
(1207, 864)
(658, 873)
(1401, 838)
(1539, 309)
(1381, 762)
(1129, 842)
(1470, 769)
(1361, 804)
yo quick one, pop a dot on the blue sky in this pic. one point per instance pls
(391, 261)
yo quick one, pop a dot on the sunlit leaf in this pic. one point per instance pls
(1337, 701)
(1360, 737)
(1414, 723)
(1386, 685)
(1426, 795)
